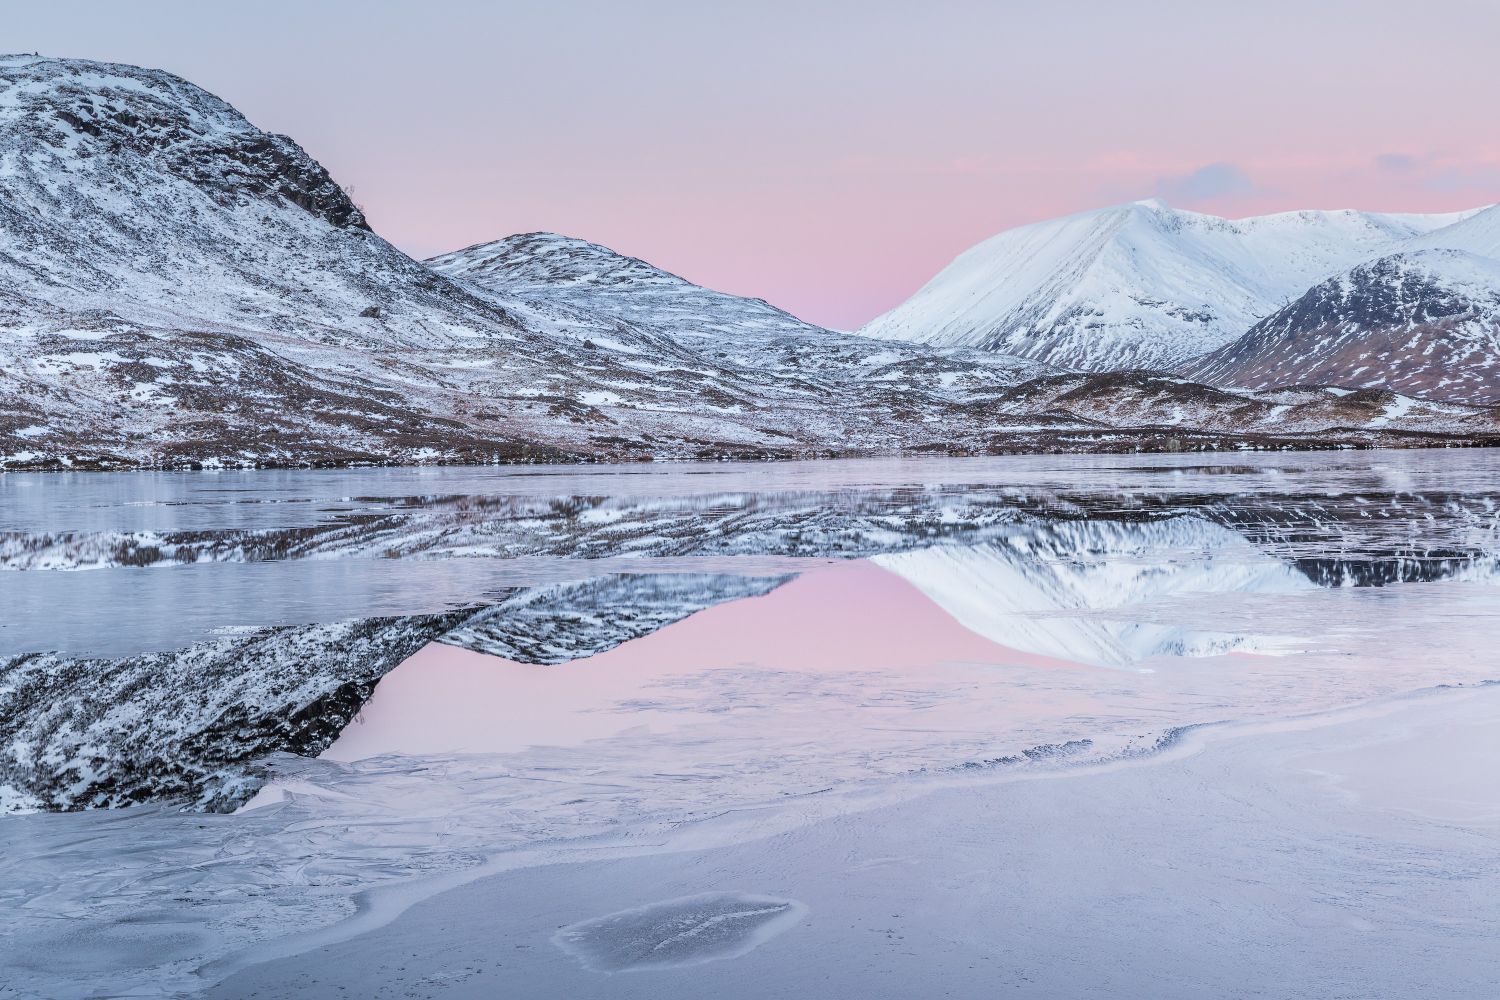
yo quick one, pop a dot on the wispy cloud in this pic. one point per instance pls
(1399, 163)
(1479, 177)
(1439, 172)
(1213, 182)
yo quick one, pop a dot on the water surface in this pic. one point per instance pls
(663, 654)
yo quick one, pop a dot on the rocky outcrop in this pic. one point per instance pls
(1424, 324)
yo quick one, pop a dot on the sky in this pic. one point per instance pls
(854, 618)
(830, 157)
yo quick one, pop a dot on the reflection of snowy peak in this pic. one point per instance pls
(1036, 591)
(1139, 285)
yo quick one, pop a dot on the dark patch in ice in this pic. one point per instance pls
(678, 932)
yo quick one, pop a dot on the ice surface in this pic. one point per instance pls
(849, 688)
(1237, 866)
(679, 932)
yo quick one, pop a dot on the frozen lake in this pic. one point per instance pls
(675, 662)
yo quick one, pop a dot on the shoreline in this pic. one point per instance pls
(1162, 441)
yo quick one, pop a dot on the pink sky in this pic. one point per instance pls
(852, 617)
(831, 157)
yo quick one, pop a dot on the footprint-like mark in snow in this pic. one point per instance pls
(678, 932)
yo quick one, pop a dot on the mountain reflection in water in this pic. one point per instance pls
(120, 586)
(414, 676)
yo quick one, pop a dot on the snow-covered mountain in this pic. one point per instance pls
(134, 199)
(1477, 233)
(555, 271)
(1425, 323)
(179, 288)
(178, 285)
(588, 292)
(1138, 285)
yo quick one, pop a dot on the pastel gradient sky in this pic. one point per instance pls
(830, 157)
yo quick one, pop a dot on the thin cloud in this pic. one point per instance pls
(1214, 182)
(1475, 178)
(1435, 172)
(1400, 163)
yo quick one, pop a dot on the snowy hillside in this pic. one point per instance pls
(574, 288)
(545, 268)
(1139, 285)
(181, 289)
(1478, 233)
(1424, 323)
(180, 286)
(132, 197)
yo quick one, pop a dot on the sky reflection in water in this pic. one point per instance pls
(1069, 612)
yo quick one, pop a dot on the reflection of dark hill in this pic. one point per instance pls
(191, 723)
(1423, 568)
(80, 733)
(1413, 535)
(83, 732)
(1371, 539)
(568, 622)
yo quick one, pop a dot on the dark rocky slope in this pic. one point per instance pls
(1424, 324)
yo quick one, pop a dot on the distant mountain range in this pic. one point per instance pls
(1144, 285)
(181, 289)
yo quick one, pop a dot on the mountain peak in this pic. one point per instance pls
(1423, 322)
(55, 110)
(132, 194)
(548, 258)
(574, 275)
(1139, 285)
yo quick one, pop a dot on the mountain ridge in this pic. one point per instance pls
(180, 289)
(1140, 284)
(1423, 322)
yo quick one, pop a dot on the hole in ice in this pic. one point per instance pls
(678, 932)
